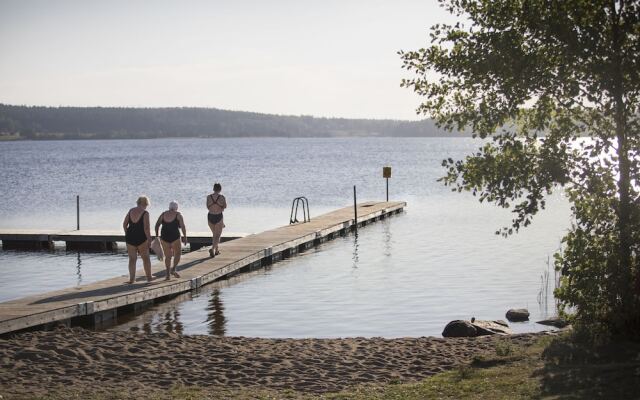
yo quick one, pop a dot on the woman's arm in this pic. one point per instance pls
(183, 227)
(125, 223)
(158, 223)
(147, 229)
(224, 202)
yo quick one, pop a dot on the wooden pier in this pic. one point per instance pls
(97, 303)
(88, 239)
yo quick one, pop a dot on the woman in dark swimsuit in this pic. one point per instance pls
(138, 237)
(216, 203)
(172, 222)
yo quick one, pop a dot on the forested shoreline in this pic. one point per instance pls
(37, 122)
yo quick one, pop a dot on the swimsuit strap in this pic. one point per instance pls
(216, 200)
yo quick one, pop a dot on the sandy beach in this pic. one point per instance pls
(36, 362)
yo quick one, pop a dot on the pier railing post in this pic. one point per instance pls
(387, 189)
(355, 209)
(78, 211)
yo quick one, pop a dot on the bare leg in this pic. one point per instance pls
(176, 246)
(143, 249)
(133, 256)
(166, 247)
(217, 233)
(213, 239)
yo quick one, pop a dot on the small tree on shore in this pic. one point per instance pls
(555, 84)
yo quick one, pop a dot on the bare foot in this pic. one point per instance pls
(217, 252)
(149, 279)
(167, 278)
(174, 273)
(211, 253)
(128, 282)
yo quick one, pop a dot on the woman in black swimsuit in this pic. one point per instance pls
(138, 237)
(216, 203)
(172, 222)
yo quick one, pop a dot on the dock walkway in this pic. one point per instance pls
(98, 302)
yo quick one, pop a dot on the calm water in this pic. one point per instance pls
(405, 276)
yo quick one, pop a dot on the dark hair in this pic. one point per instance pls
(217, 187)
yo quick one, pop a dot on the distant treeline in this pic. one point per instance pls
(22, 122)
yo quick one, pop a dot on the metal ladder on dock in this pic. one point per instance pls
(293, 218)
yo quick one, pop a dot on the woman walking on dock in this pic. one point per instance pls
(137, 234)
(172, 222)
(216, 203)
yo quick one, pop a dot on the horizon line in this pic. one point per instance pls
(217, 109)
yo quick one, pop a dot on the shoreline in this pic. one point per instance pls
(77, 359)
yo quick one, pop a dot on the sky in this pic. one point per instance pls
(322, 58)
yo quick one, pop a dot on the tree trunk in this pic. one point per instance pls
(624, 206)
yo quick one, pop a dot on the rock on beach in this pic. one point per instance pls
(460, 328)
(518, 314)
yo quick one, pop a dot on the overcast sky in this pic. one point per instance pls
(321, 58)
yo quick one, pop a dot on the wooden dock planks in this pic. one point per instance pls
(196, 269)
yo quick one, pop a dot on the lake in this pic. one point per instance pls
(404, 276)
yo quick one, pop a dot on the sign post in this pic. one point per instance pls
(386, 174)
(355, 210)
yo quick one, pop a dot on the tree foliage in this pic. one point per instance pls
(552, 86)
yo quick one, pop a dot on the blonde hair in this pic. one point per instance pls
(143, 201)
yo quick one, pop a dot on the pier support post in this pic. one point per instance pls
(355, 210)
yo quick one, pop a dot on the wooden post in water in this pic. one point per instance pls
(78, 211)
(355, 209)
(387, 190)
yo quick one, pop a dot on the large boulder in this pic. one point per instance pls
(459, 328)
(518, 315)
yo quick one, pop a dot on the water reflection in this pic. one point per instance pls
(386, 231)
(215, 315)
(162, 320)
(172, 322)
(79, 270)
(354, 256)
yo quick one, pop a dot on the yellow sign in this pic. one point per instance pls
(386, 172)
